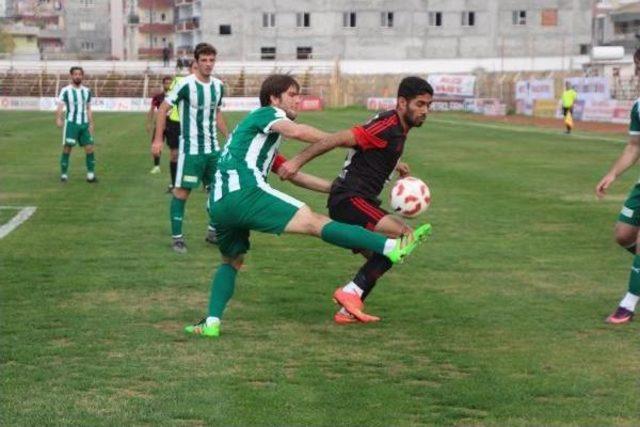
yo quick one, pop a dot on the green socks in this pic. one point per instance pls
(91, 162)
(176, 214)
(64, 163)
(222, 287)
(353, 237)
(634, 276)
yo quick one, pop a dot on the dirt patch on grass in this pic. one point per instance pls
(611, 128)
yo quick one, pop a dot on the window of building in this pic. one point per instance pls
(87, 46)
(225, 30)
(519, 17)
(584, 49)
(468, 19)
(86, 3)
(549, 17)
(435, 19)
(87, 26)
(163, 17)
(304, 52)
(268, 20)
(349, 19)
(268, 53)
(386, 19)
(303, 19)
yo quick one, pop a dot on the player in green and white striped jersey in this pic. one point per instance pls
(77, 124)
(242, 200)
(198, 97)
(627, 229)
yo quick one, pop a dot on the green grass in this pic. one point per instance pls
(497, 320)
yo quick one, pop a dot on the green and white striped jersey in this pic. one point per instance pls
(198, 106)
(249, 152)
(76, 100)
(634, 124)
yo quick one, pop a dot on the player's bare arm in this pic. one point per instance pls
(304, 133)
(628, 158)
(221, 123)
(343, 138)
(308, 181)
(150, 116)
(161, 120)
(59, 112)
(90, 117)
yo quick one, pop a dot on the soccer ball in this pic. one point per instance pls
(410, 197)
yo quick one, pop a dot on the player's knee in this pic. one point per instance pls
(181, 193)
(235, 262)
(316, 223)
(624, 239)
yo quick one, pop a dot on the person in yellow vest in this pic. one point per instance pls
(568, 99)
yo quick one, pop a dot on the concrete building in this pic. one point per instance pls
(87, 28)
(383, 29)
(150, 28)
(617, 23)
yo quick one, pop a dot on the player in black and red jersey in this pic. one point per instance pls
(156, 101)
(374, 155)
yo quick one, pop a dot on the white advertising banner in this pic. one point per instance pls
(380, 104)
(530, 90)
(452, 85)
(591, 88)
(19, 103)
(240, 104)
(114, 104)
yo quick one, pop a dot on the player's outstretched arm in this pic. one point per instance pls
(308, 181)
(304, 133)
(343, 138)
(628, 158)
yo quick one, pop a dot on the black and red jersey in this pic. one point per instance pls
(369, 165)
(157, 99)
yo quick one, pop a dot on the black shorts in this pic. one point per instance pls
(357, 211)
(565, 110)
(172, 134)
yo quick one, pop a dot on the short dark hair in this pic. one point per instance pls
(636, 55)
(74, 68)
(204, 49)
(275, 85)
(165, 78)
(412, 86)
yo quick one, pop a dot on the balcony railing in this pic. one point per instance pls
(188, 25)
(155, 4)
(156, 28)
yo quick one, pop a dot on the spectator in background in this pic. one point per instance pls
(165, 56)
(568, 99)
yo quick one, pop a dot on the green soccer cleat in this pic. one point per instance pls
(406, 244)
(201, 329)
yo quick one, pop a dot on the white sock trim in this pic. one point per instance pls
(352, 288)
(629, 301)
(389, 245)
(211, 320)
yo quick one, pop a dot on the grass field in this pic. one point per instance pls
(497, 320)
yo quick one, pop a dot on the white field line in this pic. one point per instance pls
(19, 218)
